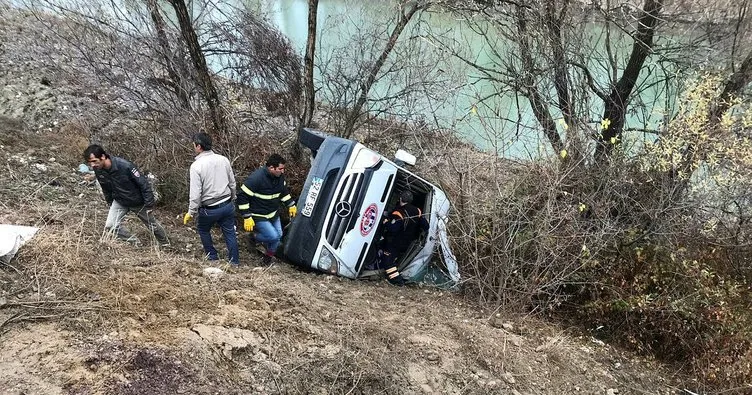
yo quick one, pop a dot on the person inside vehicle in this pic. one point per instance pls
(259, 199)
(401, 228)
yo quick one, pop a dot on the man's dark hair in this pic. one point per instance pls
(406, 196)
(203, 140)
(275, 160)
(97, 150)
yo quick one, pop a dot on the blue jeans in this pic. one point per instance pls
(269, 233)
(225, 217)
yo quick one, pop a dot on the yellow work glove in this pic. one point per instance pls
(248, 224)
(187, 218)
(293, 211)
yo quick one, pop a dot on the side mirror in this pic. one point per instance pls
(403, 157)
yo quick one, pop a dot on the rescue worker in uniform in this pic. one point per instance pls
(125, 189)
(259, 200)
(401, 227)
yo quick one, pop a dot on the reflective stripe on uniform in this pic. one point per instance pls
(397, 213)
(259, 195)
(244, 206)
(393, 275)
(267, 216)
(286, 198)
(391, 269)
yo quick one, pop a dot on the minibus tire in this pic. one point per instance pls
(311, 138)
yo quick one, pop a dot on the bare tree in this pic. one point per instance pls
(309, 96)
(383, 70)
(565, 71)
(199, 62)
(618, 99)
(176, 78)
(258, 57)
(407, 10)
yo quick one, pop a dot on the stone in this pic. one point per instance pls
(213, 272)
(228, 339)
(509, 378)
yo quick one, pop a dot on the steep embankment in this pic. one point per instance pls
(82, 315)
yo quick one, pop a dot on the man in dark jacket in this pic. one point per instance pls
(259, 198)
(125, 189)
(401, 228)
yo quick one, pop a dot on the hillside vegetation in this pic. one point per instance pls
(643, 246)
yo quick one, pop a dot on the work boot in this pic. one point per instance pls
(397, 281)
(268, 258)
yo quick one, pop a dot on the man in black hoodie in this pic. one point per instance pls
(125, 189)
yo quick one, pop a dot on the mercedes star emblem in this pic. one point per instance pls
(343, 209)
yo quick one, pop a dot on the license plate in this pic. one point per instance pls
(313, 194)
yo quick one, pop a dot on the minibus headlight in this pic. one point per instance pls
(327, 261)
(365, 159)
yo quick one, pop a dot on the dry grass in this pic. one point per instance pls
(127, 314)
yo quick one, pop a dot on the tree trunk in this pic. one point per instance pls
(167, 54)
(355, 113)
(199, 62)
(561, 77)
(734, 85)
(529, 88)
(309, 98)
(615, 109)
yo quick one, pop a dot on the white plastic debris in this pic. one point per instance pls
(12, 237)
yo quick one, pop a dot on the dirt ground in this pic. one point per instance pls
(80, 314)
(83, 316)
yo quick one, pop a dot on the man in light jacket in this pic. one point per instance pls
(211, 198)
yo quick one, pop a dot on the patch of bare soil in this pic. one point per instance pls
(82, 314)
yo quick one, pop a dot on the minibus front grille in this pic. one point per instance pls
(346, 197)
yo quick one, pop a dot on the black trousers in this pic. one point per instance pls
(388, 262)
